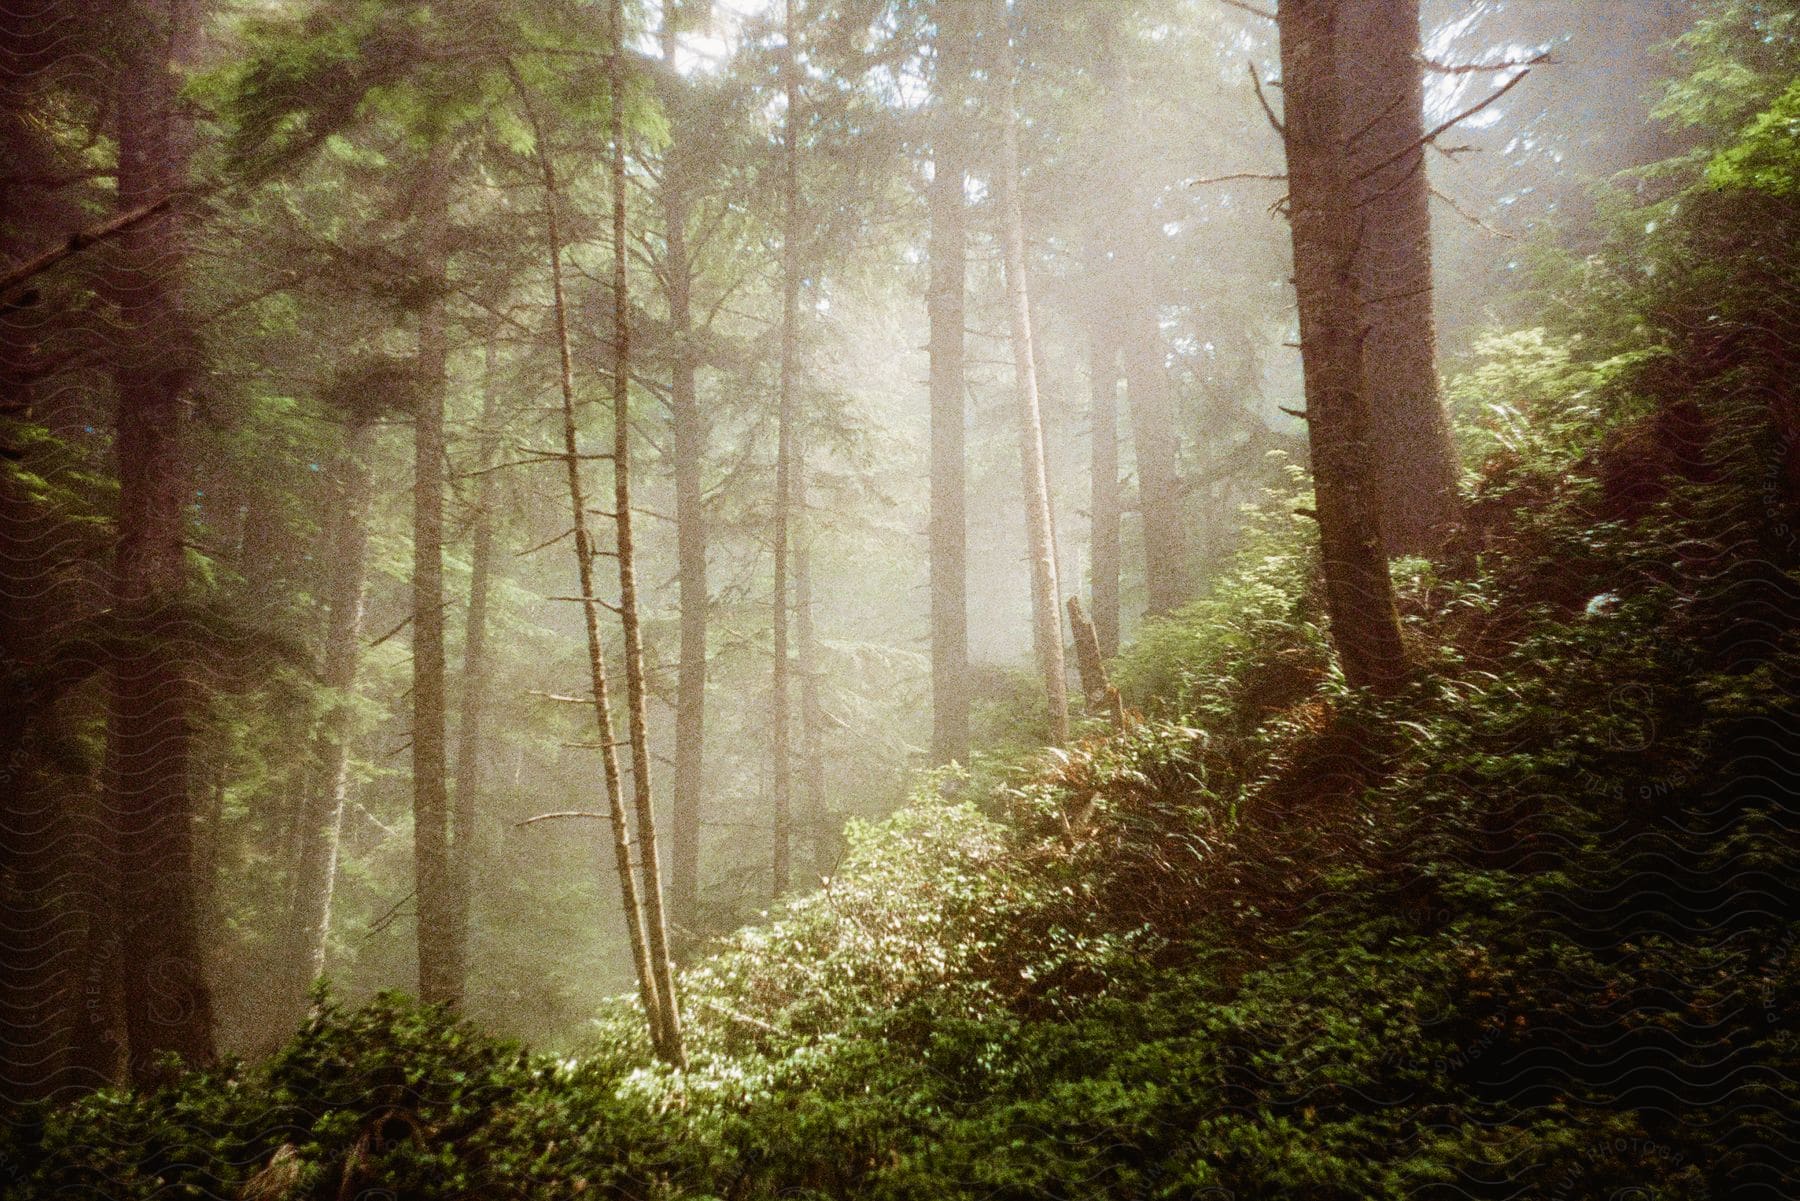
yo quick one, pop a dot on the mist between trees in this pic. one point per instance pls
(491, 489)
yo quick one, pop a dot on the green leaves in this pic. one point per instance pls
(1766, 157)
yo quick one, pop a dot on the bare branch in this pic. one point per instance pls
(548, 817)
(80, 241)
(1249, 8)
(1475, 68)
(1263, 99)
(1236, 175)
(1452, 123)
(1471, 218)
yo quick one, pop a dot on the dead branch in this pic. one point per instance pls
(1452, 123)
(580, 813)
(1249, 8)
(1263, 99)
(79, 241)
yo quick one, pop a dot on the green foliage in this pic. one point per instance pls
(1524, 929)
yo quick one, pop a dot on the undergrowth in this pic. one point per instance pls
(1523, 929)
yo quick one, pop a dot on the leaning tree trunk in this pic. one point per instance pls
(467, 844)
(1326, 220)
(323, 820)
(784, 465)
(656, 922)
(617, 817)
(949, 417)
(689, 434)
(1045, 611)
(168, 1007)
(1381, 81)
(440, 966)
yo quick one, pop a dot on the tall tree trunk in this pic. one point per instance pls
(689, 435)
(1045, 610)
(323, 821)
(949, 410)
(1104, 543)
(1327, 224)
(1384, 100)
(467, 846)
(618, 818)
(1156, 439)
(1155, 428)
(784, 460)
(636, 690)
(808, 667)
(440, 968)
(168, 1007)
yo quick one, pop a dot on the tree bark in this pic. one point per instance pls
(689, 434)
(1326, 230)
(323, 820)
(636, 691)
(168, 1006)
(467, 845)
(1384, 101)
(1046, 619)
(440, 966)
(783, 767)
(949, 413)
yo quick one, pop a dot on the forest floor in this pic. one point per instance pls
(1524, 930)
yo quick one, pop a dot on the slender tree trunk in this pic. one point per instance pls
(1157, 443)
(808, 668)
(784, 460)
(1326, 228)
(636, 691)
(440, 967)
(689, 435)
(949, 410)
(323, 822)
(1046, 614)
(467, 847)
(168, 1007)
(1384, 100)
(618, 818)
(1104, 543)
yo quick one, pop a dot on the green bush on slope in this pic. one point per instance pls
(1523, 930)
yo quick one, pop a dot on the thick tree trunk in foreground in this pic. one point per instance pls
(168, 1007)
(637, 703)
(440, 966)
(322, 822)
(949, 416)
(1045, 610)
(1359, 594)
(780, 860)
(467, 844)
(689, 434)
(1381, 80)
